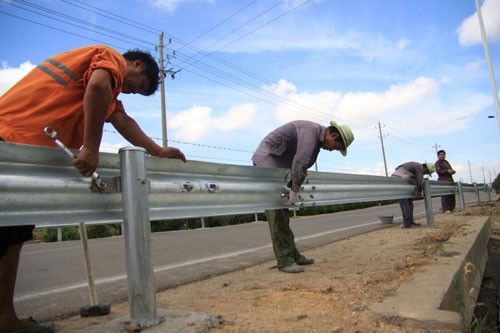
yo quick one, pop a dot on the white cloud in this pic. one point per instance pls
(370, 104)
(199, 122)
(468, 31)
(239, 116)
(315, 107)
(416, 108)
(171, 5)
(316, 36)
(106, 147)
(281, 88)
(10, 75)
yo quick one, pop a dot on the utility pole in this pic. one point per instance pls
(436, 146)
(484, 178)
(470, 173)
(162, 96)
(488, 61)
(383, 150)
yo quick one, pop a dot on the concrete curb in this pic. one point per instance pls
(444, 294)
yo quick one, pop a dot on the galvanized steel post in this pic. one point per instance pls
(428, 203)
(137, 232)
(461, 195)
(488, 189)
(476, 189)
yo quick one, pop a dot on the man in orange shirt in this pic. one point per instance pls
(74, 92)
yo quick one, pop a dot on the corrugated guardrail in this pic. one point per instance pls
(39, 185)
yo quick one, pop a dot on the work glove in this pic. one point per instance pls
(293, 198)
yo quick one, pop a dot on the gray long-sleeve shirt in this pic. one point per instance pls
(294, 145)
(411, 171)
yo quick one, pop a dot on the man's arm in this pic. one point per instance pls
(96, 101)
(306, 143)
(131, 131)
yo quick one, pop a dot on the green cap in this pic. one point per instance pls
(345, 133)
(431, 167)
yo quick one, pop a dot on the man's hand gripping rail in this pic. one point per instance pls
(96, 179)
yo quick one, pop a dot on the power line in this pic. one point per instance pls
(243, 25)
(193, 144)
(263, 25)
(121, 19)
(237, 81)
(280, 99)
(234, 79)
(67, 17)
(61, 30)
(223, 21)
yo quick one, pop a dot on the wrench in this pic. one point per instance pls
(51, 133)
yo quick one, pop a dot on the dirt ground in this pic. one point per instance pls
(332, 295)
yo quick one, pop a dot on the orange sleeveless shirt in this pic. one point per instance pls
(52, 95)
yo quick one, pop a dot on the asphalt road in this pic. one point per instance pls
(51, 279)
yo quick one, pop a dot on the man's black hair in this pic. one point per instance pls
(151, 69)
(441, 151)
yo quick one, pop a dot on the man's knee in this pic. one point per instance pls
(14, 235)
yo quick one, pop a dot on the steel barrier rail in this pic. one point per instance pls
(40, 186)
(440, 188)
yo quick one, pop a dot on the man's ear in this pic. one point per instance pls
(138, 64)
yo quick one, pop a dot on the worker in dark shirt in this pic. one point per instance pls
(413, 173)
(296, 146)
(445, 174)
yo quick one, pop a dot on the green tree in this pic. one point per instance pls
(496, 184)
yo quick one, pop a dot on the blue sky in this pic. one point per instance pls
(417, 66)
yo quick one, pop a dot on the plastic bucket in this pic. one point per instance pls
(386, 219)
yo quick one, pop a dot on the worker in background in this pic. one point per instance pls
(296, 146)
(445, 174)
(413, 173)
(74, 92)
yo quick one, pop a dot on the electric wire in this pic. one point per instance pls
(93, 39)
(223, 21)
(121, 19)
(61, 30)
(191, 143)
(272, 96)
(233, 80)
(74, 24)
(243, 25)
(263, 25)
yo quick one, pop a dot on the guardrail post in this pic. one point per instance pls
(488, 189)
(461, 195)
(202, 223)
(137, 232)
(59, 234)
(476, 189)
(428, 203)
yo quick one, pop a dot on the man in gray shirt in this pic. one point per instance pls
(296, 146)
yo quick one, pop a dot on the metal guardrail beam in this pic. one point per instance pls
(39, 186)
